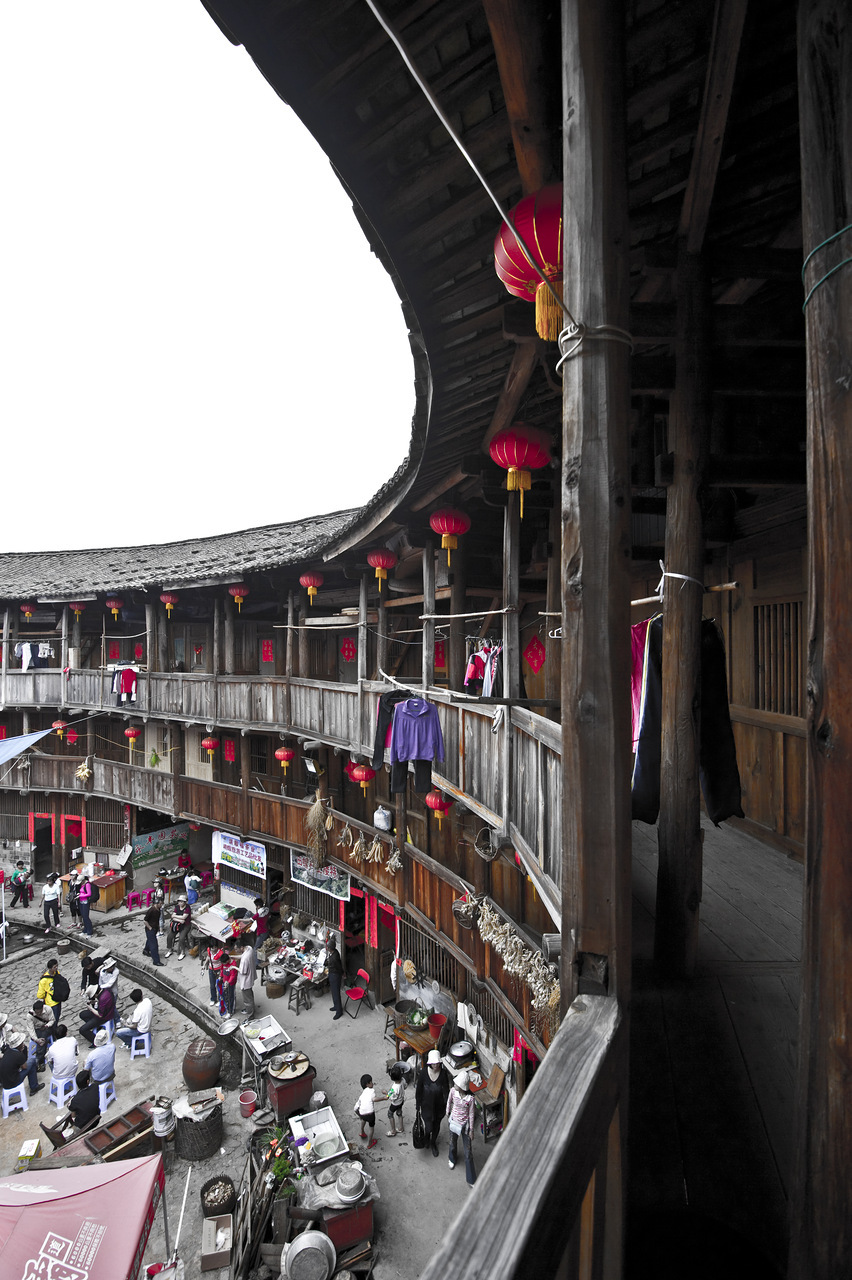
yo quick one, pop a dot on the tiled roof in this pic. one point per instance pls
(60, 574)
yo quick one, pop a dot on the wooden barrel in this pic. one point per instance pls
(275, 989)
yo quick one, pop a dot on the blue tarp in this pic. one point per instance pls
(11, 747)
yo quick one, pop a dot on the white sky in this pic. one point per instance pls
(171, 240)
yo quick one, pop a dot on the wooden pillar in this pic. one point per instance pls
(177, 743)
(304, 650)
(162, 638)
(291, 634)
(821, 1195)
(64, 659)
(428, 608)
(230, 640)
(363, 640)
(553, 648)
(457, 656)
(245, 780)
(382, 637)
(595, 505)
(511, 598)
(5, 655)
(679, 829)
(217, 637)
(150, 635)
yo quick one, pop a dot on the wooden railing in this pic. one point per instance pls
(547, 1202)
(502, 762)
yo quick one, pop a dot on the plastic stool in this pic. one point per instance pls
(15, 1100)
(206, 879)
(134, 899)
(140, 1045)
(109, 1028)
(106, 1094)
(148, 895)
(60, 1089)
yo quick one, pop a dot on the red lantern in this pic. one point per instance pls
(60, 726)
(28, 610)
(169, 599)
(239, 591)
(450, 523)
(72, 736)
(362, 773)
(520, 449)
(313, 582)
(77, 609)
(131, 735)
(439, 805)
(381, 561)
(115, 604)
(285, 755)
(209, 745)
(538, 221)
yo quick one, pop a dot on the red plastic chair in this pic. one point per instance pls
(358, 993)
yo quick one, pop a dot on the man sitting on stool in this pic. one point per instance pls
(101, 1011)
(16, 1065)
(139, 1021)
(101, 1061)
(86, 1103)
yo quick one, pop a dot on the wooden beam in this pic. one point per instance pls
(517, 380)
(518, 32)
(821, 1194)
(595, 505)
(679, 828)
(725, 42)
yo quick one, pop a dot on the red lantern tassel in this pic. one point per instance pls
(548, 312)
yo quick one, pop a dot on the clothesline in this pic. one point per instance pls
(481, 613)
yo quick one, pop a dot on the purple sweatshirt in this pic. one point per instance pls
(416, 733)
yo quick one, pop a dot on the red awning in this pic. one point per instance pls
(86, 1223)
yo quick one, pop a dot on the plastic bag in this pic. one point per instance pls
(382, 818)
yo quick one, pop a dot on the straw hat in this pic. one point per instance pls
(101, 1037)
(15, 1039)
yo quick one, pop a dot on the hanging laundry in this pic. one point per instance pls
(717, 756)
(124, 684)
(416, 735)
(384, 722)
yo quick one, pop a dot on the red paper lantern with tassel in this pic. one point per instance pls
(363, 774)
(313, 582)
(451, 524)
(60, 726)
(538, 221)
(381, 561)
(520, 449)
(114, 603)
(77, 608)
(28, 610)
(131, 735)
(436, 802)
(210, 745)
(239, 591)
(169, 599)
(285, 755)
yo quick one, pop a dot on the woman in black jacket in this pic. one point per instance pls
(334, 965)
(430, 1094)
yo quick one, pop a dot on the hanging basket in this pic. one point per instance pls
(466, 911)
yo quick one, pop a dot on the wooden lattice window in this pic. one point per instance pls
(779, 657)
(259, 754)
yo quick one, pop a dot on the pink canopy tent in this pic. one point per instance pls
(90, 1222)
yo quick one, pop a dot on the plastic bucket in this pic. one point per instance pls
(436, 1024)
(248, 1102)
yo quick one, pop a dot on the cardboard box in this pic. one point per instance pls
(31, 1150)
(210, 1256)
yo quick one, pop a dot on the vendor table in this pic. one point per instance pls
(420, 1041)
(210, 925)
(323, 1132)
(112, 891)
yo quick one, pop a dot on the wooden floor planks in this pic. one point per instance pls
(713, 1061)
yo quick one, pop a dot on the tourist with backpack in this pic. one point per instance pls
(53, 989)
(89, 894)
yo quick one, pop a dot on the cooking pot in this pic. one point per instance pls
(351, 1185)
(311, 1256)
(461, 1052)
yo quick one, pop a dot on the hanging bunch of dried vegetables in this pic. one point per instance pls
(316, 830)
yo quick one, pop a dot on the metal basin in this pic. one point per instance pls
(311, 1256)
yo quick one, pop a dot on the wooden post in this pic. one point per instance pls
(304, 650)
(821, 1195)
(5, 656)
(162, 638)
(428, 608)
(595, 505)
(679, 830)
(150, 635)
(64, 642)
(245, 780)
(511, 598)
(382, 637)
(553, 648)
(177, 744)
(291, 622)
(230, 638)
(457, 656)
(362, 629)
(217, 637)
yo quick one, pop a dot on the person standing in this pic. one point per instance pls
(16, 1065)
(51, 895)
(214, 971)
(246, 974)
(74, 881)
(226, 986)
(179, 928)
(396, 1097)
(159, 901)
(53, 989)
(84, 900)
(101, 1060)
(192, 885)
(151, 920)
(140, 1019)
(430, 1094)
(261, 926)
(334, 965)
(90, 971)
(461, 1112)
(21, 885)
